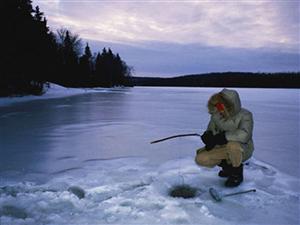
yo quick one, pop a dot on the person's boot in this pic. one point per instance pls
(226, 169)
(236, 177)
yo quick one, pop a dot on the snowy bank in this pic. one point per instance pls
(54, 91)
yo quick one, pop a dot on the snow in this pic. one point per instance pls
(78, 156)
(55, 91)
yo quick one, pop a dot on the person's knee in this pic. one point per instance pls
(233, 146)
(235, 153)
(203, 160)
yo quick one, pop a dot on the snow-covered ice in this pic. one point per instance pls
(55, 91)
(83, 157)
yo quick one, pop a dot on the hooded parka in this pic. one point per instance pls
(237, 124)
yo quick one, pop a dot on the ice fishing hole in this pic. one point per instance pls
(183, 191)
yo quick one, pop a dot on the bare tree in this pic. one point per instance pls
(75, 40)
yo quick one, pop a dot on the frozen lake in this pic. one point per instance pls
(41, 136)
(102, 138)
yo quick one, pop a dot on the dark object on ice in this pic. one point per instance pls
(226, 169)
(13, 211)
(175, 136)
(235, 176)
(183, 191)
(78, 191)
(9, 190)
(216, 195)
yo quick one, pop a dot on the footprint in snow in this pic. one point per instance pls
(264, 169)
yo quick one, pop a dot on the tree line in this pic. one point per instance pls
(32, 55)
(226, 79)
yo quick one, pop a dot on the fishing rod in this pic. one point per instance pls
(175, 136)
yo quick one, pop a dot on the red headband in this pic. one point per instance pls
(220, 107)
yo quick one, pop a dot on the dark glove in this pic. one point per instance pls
(208, 139)
(220, 139)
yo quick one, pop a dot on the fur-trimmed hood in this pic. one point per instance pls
(236, 122)
(230, 98)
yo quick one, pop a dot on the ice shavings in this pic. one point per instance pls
(144, 198)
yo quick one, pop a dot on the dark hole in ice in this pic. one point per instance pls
(183, 191)
(13, 211)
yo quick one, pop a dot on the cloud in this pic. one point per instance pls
(233, 24)
(171, 37)
(172, 59)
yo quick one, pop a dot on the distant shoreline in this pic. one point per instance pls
(226, 79)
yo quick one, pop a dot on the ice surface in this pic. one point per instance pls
(83, 157)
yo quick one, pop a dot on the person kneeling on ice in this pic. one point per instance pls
(228, 138)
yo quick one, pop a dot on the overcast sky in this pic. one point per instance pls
(167, 38)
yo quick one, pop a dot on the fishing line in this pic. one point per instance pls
(181, 189)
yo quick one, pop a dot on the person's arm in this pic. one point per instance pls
(207, 137)
(211, 126)
(244, 131)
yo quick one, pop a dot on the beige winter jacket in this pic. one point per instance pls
(238, 124)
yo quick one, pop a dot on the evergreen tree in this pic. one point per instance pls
(118, 70)
(87, 51)
(85, 64)
(27, 44)
(111, 70)
(103, 69)
(69, 46)
(32, 55)
(38, 15)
